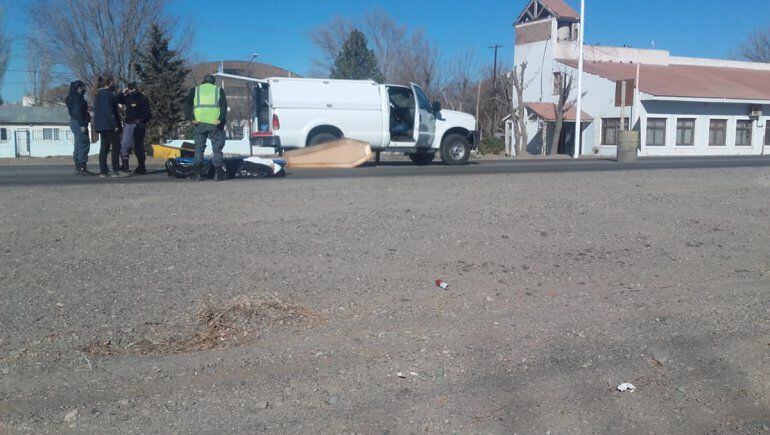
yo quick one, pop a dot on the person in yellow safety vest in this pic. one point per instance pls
(206, 107)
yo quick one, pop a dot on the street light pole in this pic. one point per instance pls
(579, 108)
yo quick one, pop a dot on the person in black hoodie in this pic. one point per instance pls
(137, 117)
(79, 119)
(107, 123)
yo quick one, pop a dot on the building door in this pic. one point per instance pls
(21, 137)
(567, 138)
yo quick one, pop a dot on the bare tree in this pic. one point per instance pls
(403, 55)
(564, 86)
(5, 51)
(757, 46)
(95, 37)
(56, 94)
(459, 93)
(388, 40)
(40, 71)
(497, 99)
(329, 39)
(426, 69)
(519, 110)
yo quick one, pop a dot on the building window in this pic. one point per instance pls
(557, 82)
(685, 132)
(50, 134)
(718, 132)
(656, 132)
(743, 132)
(3, 135)
(611, 131)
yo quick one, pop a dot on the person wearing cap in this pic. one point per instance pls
(206, 107)
(137, 116)
(79, 119)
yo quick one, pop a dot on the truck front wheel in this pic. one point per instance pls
(422, 159)
(455, 150)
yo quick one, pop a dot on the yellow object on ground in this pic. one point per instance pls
(167, 152)
(164, 152)
(343, 153)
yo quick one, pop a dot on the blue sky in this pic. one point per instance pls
(278, 30)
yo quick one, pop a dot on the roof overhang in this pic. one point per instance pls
(547, 112)
(704, 100)
(538, 8)
(239, 78)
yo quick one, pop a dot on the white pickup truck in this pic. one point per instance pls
(292, 113)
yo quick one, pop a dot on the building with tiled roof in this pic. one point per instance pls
(680, 106)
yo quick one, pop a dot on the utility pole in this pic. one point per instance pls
(579, 108)
(494, 74)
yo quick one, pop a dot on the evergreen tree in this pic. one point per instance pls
(162, 73)
(356, 61)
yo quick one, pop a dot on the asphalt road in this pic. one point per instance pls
(53, 175)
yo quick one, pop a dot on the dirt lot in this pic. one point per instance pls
(294, 305)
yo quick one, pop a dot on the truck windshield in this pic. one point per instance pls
(422, 99)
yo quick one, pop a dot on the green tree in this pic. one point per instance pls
(356, 61)
(162, 72)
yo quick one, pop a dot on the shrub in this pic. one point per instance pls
(491, 145)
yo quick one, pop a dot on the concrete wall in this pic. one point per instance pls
(598, 102)
(702, 113)
(37, 146)
(538, 76)
(597, 53)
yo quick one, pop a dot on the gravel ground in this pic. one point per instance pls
(309, 305)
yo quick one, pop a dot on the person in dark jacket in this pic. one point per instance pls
(137, 117)
(107, 123)
(79, 119)
(206, 107)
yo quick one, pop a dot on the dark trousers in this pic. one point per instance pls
(82, 144)
(204, 131)
(133, 136)
(109, 143)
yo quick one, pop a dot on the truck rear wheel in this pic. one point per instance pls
(422, 159)
(455, 150)
(323, 137)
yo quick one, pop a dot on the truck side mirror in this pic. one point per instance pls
(436, 107)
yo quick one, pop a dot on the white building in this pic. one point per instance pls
(682, 106)
(36, 132)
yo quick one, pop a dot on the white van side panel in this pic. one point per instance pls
(296, 125)
(352, 106)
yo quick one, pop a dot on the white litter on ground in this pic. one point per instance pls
(626, 387)
(265, 162)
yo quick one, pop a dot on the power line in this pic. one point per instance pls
(29, 71)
